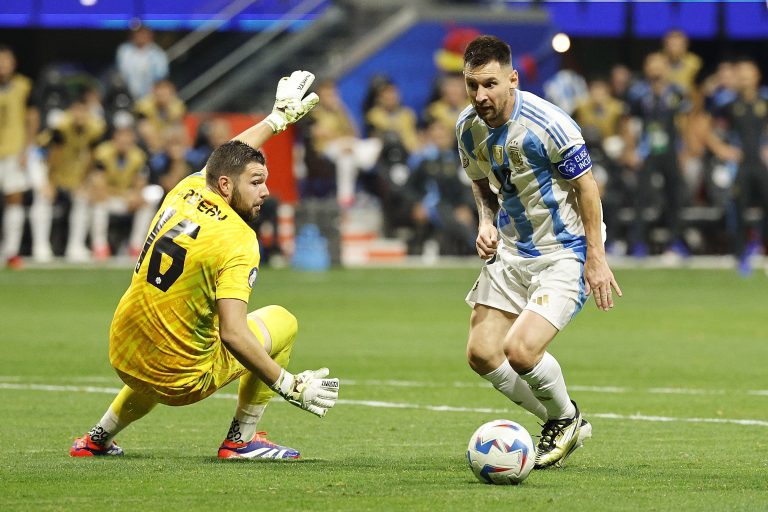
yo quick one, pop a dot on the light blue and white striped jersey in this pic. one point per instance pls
(529, 161)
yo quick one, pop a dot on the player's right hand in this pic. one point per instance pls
(309, 390)
(487, 241)
(289, 105)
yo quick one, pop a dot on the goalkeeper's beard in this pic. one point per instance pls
(246, 212)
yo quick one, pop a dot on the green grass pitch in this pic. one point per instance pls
(674, 380)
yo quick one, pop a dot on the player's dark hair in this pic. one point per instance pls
(230, 160)
(485, 49)
(5, 48)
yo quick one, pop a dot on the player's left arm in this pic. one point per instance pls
(570, 157)
(309, 390)
(597, 273)
(242, 343)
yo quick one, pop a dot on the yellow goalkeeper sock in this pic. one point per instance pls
(127, 407)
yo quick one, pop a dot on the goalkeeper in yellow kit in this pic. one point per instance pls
(182, 329)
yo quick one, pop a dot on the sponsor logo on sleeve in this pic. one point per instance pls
(252, 276)
(575, 162)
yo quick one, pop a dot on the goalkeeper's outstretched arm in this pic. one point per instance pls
(290, 106)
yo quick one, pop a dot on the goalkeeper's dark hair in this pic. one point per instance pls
(230, 159)
(485, 49)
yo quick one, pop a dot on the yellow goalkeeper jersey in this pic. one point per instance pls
(165, 331)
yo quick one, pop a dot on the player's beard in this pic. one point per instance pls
(244, 210)
(492, 114)
(486, 114)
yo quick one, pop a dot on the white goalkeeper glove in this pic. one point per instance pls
(309, 390)
(289, 105)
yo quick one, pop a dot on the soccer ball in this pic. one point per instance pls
(501, 452)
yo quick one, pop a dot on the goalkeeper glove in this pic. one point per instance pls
(309, 390)
(289, 105)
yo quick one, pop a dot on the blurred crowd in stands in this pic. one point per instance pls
(680, 157)
(84, 163)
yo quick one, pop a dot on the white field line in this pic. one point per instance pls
(54, 388)
(586, 389)
(405, 405)
(459, 384)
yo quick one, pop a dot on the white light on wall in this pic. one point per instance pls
(88, 3)
(561, 43)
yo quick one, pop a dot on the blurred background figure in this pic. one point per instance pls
(119, 186)
(211, 134)
(600, 117)
(658, 107)
(720, 87)
(566, 89)
(169, 162)
(450, 101)
(440, 198)
(744, 122)
(52, 94)
(161, 108)
(69, 143)
(600, 114)
(621, 80)
(117, 99)
(388, 115)
(684, 66)
(334, 136)
(92, 97)
(19, 121)
(141, 62)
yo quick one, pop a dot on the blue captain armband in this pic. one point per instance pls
(576, 161)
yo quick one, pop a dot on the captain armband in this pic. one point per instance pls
(575, 162)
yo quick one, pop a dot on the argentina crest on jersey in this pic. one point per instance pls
(516, 155)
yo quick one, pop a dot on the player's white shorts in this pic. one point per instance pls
(551, 285)
(13, 179)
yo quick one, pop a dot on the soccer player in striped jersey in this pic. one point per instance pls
(541, 234)
(182, 329)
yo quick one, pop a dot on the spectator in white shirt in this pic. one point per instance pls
(141, 62)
